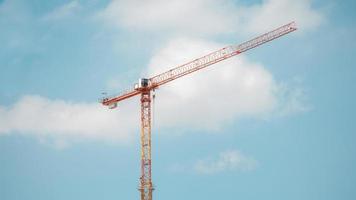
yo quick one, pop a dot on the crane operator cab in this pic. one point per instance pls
(142, 84)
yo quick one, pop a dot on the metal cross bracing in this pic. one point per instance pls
(146, 187)
(145, 86)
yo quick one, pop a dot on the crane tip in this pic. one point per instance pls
(293, 25)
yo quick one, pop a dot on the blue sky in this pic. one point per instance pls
(274, 123)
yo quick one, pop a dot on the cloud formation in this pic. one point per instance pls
(63, 120)
(294, 100)
(232, 160)
(273, 13)
(218, 94)
(64, 11)
(177, 15)
(210, 17)
(207, 100)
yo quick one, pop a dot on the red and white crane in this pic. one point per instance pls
(146, 85)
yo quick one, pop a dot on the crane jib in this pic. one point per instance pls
(202, 62)
(220, 55)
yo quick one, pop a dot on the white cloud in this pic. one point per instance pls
(60, 120)
(213, 96)
(64, 11)
(206, 100)
(272, 13)
(179, 15)
(293, 100)
(226, 161)
(210, 17)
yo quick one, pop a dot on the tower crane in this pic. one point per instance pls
(146, 85)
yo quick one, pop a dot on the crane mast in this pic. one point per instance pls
(145, 86)
(146, 186)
